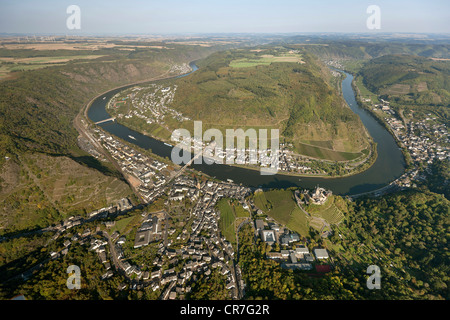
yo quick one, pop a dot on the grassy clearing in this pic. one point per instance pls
(281, 204)
(261, 201)
(299, 222)
(231, 214)
(122, 224)
(240, 212)
(227, 218)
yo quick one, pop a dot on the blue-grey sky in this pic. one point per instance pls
(227, 16)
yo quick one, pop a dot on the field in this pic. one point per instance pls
(265, 60)
(13, 64)
(328, 212)
(299, 222)
(124, 224)
(282, 204)
(261, 201)
(231, 214)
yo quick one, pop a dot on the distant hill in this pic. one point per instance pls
(409, 79)
(272, 87)
(360, 49)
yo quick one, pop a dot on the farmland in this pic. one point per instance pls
(265, 60)
(14, 64)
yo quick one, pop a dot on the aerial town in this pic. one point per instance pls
(188, 241)
(149, 103)
(424, 139)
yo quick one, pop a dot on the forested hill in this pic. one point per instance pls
(347, 49)
(270, 87)
(37, 108)
(409, 79)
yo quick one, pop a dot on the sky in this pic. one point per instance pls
(228, 16)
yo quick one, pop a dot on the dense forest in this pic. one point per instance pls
(438, 177)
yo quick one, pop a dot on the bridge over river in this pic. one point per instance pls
(106, 120)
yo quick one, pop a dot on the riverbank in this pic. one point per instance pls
(381, 121)
(387, 166)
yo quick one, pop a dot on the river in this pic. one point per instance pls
(388, 166)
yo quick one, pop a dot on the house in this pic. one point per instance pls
(321, 253)
(301, 250)
(308, 257)
(172, 295)
(102, 256)
(297, 266)
(273, 255)
(290, 237)
(293, 257)
(285, 254)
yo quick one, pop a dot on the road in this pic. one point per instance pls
(116, 261)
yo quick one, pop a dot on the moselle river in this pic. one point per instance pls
(389, 165)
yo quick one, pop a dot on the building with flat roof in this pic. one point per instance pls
(142, 238)
(268, 236)
(259, 224)
(321, 253)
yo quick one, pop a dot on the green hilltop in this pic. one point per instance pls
(272, 87)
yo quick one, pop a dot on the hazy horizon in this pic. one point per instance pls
(138, 17)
